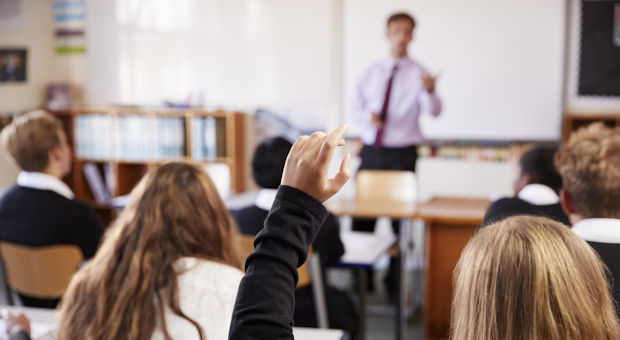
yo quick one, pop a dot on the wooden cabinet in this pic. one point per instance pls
(124, 143)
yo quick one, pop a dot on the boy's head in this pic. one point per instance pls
(589, 164)
(268, 162)
(37, 143)
(536, 167)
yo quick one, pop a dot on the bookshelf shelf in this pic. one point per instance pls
(574, 121)
(123, 143)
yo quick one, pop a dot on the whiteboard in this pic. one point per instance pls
(501, 62)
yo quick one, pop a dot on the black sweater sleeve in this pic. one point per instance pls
(266, 298)
(21, 335)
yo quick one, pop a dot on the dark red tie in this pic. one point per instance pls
(384, 109)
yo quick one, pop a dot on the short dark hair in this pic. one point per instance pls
(401, 16)
(268, 162)
(538, 163)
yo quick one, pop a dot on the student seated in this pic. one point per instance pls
(590, 167)
(536, 189)
(17, 325)
(168, 267)
(40, 209)
(267, 166)
(530, 277)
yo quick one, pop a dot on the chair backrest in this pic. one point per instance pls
(40, 272)
(386, 185)
(246, 247)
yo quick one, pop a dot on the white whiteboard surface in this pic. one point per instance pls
(235, 54)
(501, 62)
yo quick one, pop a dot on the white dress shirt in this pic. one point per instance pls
(408, 99)
(265, 198)
(601, 230)
(41, 181)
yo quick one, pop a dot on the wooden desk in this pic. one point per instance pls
(375, 209)
(450, 223)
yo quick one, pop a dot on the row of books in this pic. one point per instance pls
(208, 137)
(485, 153)
(141, 138)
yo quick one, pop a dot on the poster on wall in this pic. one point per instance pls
(13, 64)
(69, 26)
(11, 14)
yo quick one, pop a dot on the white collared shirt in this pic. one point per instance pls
(602, 230)
(538, 194)
(408, 99)
(265, 198)
(41, 181)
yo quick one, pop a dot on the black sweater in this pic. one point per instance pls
(266, 298)
(507, 207)
(34, 217)
(327, 242)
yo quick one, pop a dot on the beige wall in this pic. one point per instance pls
(37, 36)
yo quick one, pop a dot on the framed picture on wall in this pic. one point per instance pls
(13, 65)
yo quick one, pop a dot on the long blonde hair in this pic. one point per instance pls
(531, 278)
(175, 211)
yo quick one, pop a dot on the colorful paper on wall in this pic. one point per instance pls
(70, 23)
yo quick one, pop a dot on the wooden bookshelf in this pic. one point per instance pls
(574, 121)
(127, 172)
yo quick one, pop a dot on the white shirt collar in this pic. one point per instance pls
(390, 62)
(41, 181)
(538, 194)
(265, 198)
(603, 230)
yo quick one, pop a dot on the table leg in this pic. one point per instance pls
(401, 294)
(362, 277)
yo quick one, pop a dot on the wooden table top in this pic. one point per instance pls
(438, 209)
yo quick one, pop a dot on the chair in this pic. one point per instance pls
(40, 272)
(386, 185)
(387, 190)
(309, 273)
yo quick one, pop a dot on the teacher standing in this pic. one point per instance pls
(390, 97)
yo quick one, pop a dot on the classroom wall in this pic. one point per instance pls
(37, 36)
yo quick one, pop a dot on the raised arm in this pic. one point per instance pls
(266, 298)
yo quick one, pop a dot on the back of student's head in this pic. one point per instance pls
(29, 139)
(174, 212)
(268, 161)
(590, 167)
(531, 278)
(537, 163)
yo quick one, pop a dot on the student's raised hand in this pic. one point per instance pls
(308, 161)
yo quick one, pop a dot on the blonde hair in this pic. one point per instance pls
(29, 139)
(125, 290)
(589, 164)
(531, 278)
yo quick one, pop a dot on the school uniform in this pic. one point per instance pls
(533, 199)
(266, 298)
(340, 309)
(603, 234)
(40, 210)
